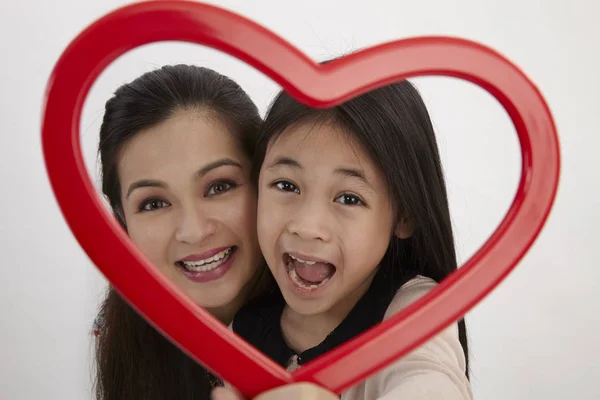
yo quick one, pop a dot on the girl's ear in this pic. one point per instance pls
(404, 229)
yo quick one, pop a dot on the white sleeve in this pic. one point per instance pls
(433, 371)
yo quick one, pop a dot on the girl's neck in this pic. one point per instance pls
(302, 332)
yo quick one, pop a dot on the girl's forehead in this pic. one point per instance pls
(324, 138)
(324, 145)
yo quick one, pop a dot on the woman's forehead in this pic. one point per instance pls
(186, 137)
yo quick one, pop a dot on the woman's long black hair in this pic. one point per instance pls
(133, 360)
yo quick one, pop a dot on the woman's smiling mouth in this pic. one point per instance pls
(207, 268)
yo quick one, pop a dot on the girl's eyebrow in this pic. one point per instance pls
(356, 174)
(351, 173)
(344, 171)
(284, 161)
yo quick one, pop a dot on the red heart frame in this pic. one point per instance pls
(319, 86)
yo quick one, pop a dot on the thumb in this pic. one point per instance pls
(298, 391)
(223, 393)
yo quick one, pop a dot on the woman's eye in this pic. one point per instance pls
(286, 186)
(153, 204)
(349, 200)
(219, 188)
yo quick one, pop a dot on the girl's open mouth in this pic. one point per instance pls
(307, 274)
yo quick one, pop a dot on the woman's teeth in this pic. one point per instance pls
(208, 263)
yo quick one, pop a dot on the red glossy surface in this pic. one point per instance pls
(317, 85)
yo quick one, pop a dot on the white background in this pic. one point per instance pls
(535, 337)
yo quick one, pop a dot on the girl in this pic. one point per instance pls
(354, 224)
(175, 151)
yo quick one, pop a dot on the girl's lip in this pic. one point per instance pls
(205, 255)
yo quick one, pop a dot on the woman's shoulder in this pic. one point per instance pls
(98, 325)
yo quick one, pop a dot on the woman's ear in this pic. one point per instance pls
(404, 229)
(119, 215)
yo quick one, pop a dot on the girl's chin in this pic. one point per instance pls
(307, 309)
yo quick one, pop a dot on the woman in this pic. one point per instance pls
(175, 149)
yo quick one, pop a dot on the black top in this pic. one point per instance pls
(259, 321)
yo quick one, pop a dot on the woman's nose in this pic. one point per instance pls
(194, 226)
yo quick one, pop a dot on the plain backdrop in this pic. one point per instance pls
(535, 337)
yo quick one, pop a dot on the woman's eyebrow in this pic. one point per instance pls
(145, 183)
(216, 164)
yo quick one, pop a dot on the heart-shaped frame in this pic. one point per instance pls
(319, 86)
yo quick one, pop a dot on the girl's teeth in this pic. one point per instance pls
(302, 261)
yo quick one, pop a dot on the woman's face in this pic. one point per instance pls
(189, 205)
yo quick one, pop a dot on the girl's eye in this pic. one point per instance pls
(153, 204)
(286, 186)
(219, 188)
(350, 200)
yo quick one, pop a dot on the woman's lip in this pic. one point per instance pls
(213, 274)
(205, 255)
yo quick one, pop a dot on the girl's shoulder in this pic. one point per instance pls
(408, 293)
(434, 370)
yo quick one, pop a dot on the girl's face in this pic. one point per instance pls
(324, 217)
(189, 206)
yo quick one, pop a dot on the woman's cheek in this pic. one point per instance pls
(150, 235)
